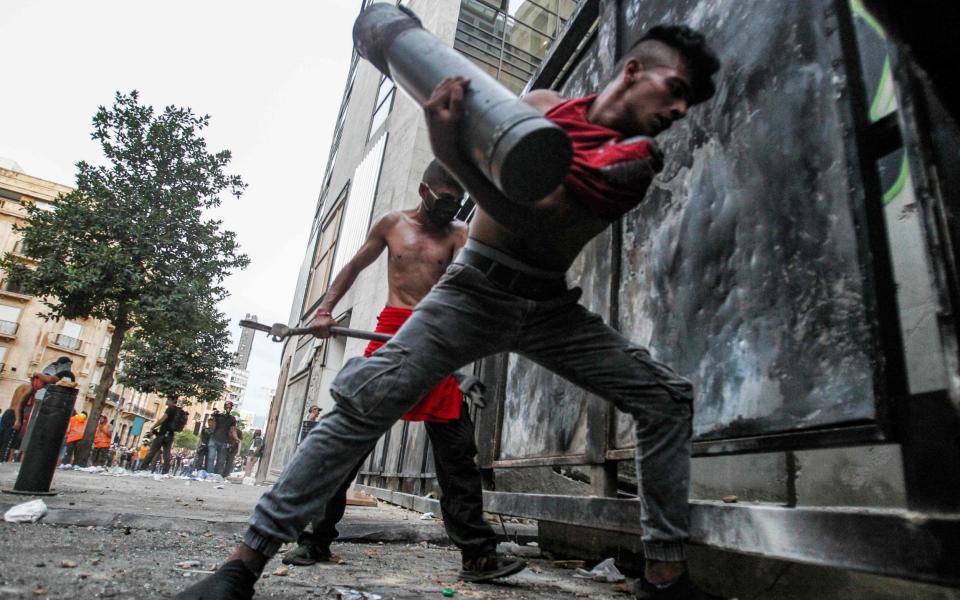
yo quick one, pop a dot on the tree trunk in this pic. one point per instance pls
(100, 397)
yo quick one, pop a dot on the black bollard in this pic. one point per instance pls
(524, 154)
(50, 421)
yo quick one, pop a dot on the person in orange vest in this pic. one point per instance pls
(101, 442)
(74, 435)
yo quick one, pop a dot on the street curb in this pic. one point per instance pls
(373, 532)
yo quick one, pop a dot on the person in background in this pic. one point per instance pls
(224, 432)
(141, 456)
(101, 442)
(163, 442)
(200, 460)
(254, 452)
(74, 435)
(313, 415)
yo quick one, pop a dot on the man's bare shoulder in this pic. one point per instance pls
(389, 221)
(543, 100)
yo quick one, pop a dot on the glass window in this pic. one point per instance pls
(72, 329)
(384, 103)
(9, 313)
(3, 353)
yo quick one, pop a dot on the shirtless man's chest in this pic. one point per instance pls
(417, 257)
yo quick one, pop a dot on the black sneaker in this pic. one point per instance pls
(232, 581)
(487, 568)
(681, 589)
(305, 555)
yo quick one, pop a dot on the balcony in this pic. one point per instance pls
(66, 342)
(8, 329)
(138, 411)
(102, 356)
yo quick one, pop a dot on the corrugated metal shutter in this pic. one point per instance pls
(363, 191)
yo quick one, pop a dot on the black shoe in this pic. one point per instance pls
(232, 581)
(487, 568)
(681, 589)
(305, 555)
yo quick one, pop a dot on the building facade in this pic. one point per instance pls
(246, 344)
(28, 343)
(379, 151)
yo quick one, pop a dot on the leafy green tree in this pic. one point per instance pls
(180, 362)
(187, 440)
(132, 245)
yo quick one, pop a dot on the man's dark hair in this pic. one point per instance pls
(435, 174)
(67, 374)
(63, 359)
(692, 46)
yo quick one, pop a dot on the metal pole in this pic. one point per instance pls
(40, 455)
(519, 150)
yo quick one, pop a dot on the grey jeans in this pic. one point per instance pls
(216, 456)
(464, 318)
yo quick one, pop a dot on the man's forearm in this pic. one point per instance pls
(341, 283)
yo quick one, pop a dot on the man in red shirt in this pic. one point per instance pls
(506, 292)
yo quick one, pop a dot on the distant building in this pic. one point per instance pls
(379, 151)
(246, 344)
(28, 343)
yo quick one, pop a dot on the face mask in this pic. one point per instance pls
(443, 208)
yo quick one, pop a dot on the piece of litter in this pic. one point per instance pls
(188, 564)
(605, 570)
(220, 487)
(68, 564)
(515, 549)
(730, 499)
(281, 571)
(348, 594)
(31, 511)
(427, 516)
(249, 481)
(448, 592)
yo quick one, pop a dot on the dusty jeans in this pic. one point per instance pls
(216, 456)
(465, 317)
(461, 501)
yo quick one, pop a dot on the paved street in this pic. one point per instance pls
(136, 537)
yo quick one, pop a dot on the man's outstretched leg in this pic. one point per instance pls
(371, 393)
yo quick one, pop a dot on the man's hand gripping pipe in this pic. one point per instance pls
(279, 331)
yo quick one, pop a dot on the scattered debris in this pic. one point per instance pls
(249, 481)
(347, 594)
(68, 564)
(730, 499)
(515, 549)
(188, 564)
(281, 571)
(31, 511)
(39, 590)
(427, 516)
(605, 570)
(569, 564)
(448, 592)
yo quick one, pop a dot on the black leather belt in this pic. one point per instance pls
(515, 281)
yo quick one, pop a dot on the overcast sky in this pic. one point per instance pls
(270, 75)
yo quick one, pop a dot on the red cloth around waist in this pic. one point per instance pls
(443, 402)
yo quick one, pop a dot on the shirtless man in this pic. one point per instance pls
(421, 243)
(506, 291)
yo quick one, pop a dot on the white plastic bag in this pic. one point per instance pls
(31, 511)
(604, 571)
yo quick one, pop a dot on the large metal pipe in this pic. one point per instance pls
(519, 150)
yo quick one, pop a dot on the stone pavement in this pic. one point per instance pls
(136, 537)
